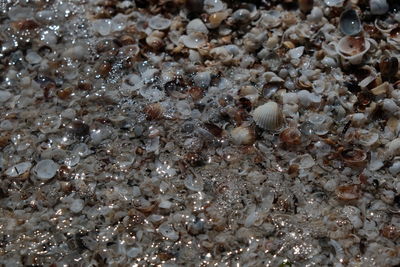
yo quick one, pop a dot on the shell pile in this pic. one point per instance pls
(199, 133)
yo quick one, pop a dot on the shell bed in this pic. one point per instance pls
(199, 133)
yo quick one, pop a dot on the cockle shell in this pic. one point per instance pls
(268, 116)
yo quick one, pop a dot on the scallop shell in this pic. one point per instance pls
(268, 116)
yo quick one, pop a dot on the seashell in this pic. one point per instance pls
(368, 138)
(196, 93)
(271, 19)
(4, 96)
(384, 27)
(154, 111)
(316, 14)
(389, 66)
(194, 40)
(168, 231)
(353, 48)
(268, 116)
(395, 168)
(393, 147)
(381, 89)
(248, 90)
(159, 23)
(243, 135)
(306, 6)
(269, 89)
(195, 26)
(241, 16)
(296, 53)
(306, 98)
(304, 161)
(304, 84)
(348, 192)
(390, 106)
(45, 169)
(18, 169)
(390, 232)
(271, 77)
(350, 23)
(212, 6)
(290, 136)
(356, 158)
(154, 40)
(378, 7)
(334, 3)
(215, 19)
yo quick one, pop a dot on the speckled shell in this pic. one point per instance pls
(268, 116)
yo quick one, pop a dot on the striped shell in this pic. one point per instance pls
(268, 116)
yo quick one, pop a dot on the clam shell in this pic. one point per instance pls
(268, 116)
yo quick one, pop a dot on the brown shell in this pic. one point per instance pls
(154, 111)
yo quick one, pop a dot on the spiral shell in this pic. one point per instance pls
(268, 116)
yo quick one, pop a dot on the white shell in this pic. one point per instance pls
(45, 169)
(212, 6)
(349, 52)
(194, 40)
(242, 135)
(268, 116)
(195, 26)
(159, 23)
(393, 147)
(18, 169)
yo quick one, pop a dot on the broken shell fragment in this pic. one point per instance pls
(159, 23)
(268, 116)
(348, 192)
(290, 136)
(354, 157)
(243, 135)
(393, 147)
(194, 40)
